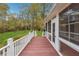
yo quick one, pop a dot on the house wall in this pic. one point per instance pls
(58, 9)
(54, 16)
(69, 26)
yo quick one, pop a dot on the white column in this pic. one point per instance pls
(57, 42)
(10, 49)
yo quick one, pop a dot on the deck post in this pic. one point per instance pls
(10, 49)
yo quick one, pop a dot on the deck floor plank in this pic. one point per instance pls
(39, 46)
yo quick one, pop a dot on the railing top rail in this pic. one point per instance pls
(20, 39)
(4, 47)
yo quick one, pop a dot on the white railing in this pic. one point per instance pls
(15, 48)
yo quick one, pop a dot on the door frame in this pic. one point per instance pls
(52, 22)
(57, 41)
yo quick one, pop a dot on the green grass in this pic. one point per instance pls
(39, 33)
(16, 35)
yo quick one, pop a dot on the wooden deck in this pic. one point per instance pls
(39, 46)
(67, 51)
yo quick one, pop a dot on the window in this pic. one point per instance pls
(72, 28)
(46, 27)
(63, 23)
(69, 23)
(49, 26)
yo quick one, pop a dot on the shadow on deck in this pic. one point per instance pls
(39, 46)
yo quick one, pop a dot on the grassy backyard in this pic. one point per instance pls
(39, 33)
(15, 35)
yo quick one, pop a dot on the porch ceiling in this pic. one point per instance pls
(58, 8)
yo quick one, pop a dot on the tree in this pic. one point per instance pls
(3, 12)
(35, 12)
(30, 17)
(3, 9)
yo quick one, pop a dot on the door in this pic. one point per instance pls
(53, 33)
(53, 30)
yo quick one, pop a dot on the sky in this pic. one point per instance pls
(16, 7)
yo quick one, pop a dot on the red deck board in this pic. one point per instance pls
(67, 51)
(39, 46)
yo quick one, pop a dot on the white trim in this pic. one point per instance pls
(52, 21)
(70, 44)
(54, 47)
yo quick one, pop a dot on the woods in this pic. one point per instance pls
(29, 18)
